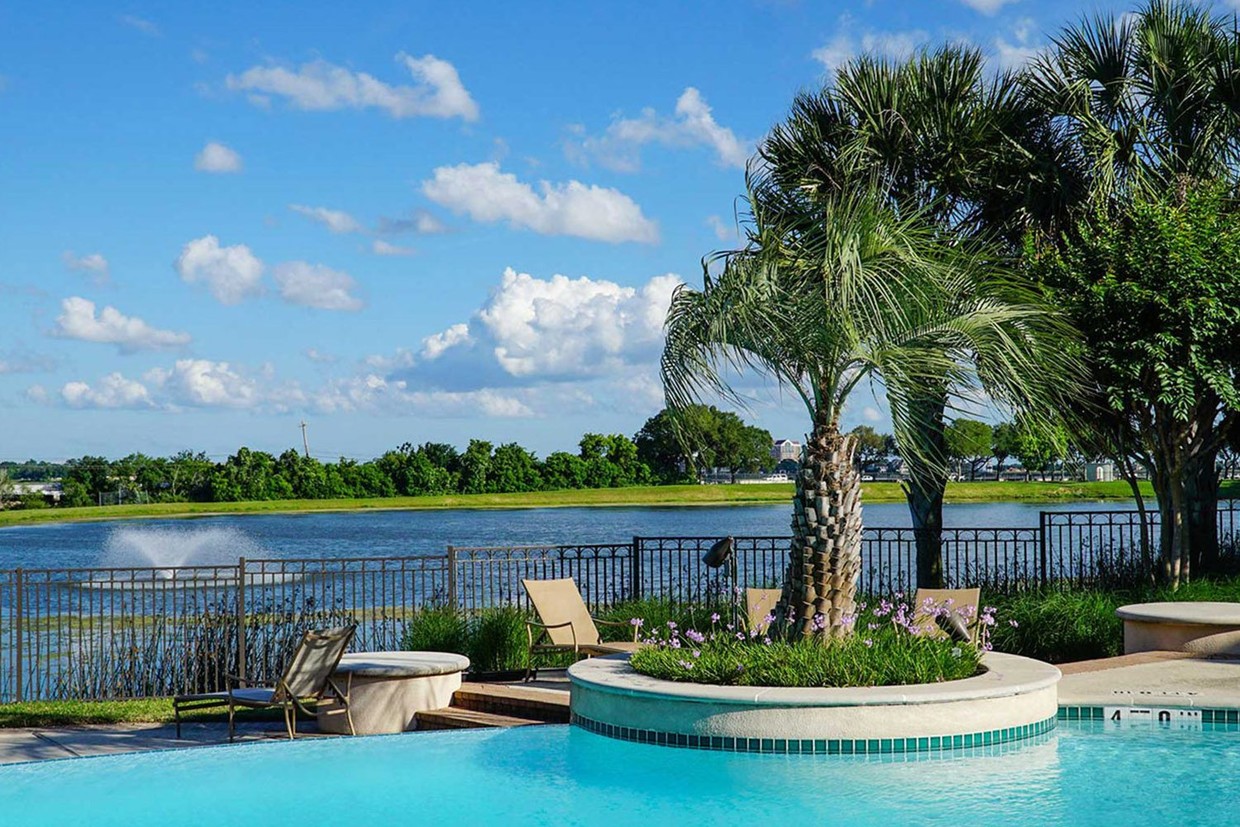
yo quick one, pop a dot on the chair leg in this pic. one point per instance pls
(232, 727)
(176, 711)
(290, 722)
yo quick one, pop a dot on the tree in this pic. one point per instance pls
(661, 445)
(871, 445)
(832, 288)
(1003, 445)
(86, 478)
(8, 491)
(562, 470)
(971, 442)
(475, 465)
(963, 150)
(1155, 284)
(514, 469)
(1147, 110)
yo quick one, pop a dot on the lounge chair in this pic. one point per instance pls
(308, 677)
(565, 624)
(965, 609)
(759, 605)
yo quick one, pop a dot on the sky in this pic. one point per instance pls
(397, 222)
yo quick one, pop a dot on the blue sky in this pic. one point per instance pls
(398, 221)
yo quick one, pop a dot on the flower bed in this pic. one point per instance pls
(887, 647)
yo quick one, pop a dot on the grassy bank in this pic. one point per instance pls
(95, 713)
(663, 495)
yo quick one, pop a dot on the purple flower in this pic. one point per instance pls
(636, 621)
(694, 635)
(686, 664)
(714, 617)
(671, 624)
(1013, 624)
(868, 642)
(697, 653)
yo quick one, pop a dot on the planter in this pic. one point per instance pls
(1014, 699)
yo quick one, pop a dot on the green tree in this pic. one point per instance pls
(1003, 445)
(961, 149)
(85, 479)
(514, 469)
(661, 445)
(562, 470)
(871, 445)
(475, 465)
(1147, 110)
(833, 288)
(970, 442)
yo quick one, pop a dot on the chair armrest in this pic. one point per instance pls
(238, 680)
(617, 623)
(530, 624)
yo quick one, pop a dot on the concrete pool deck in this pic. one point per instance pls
(1148, 679)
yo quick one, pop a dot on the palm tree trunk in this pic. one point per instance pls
(825, 560)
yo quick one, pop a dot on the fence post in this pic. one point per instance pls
(19, 626)
(452, 577)
(635, 569)
(1043, 551)
(241, 619)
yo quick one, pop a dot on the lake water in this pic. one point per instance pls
(205, 540)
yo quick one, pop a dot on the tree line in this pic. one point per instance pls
(655, 455)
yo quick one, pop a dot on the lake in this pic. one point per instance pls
(222, 539)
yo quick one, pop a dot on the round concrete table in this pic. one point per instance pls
(1203, 628)
(388, 689)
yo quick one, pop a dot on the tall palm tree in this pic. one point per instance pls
(971, 156)
(832, 289)
(1145, 105)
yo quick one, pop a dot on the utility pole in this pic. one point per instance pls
(305, 443)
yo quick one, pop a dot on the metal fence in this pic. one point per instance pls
(136, 632)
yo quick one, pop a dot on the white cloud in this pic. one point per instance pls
(94, 264)
(217, 158)
(534, 331)
(314, 285)
(435, 344)
(987, 6)
(486, 194)
(1012, 54)
(382, 248)
(337, 221)
(203, 383)
(693, 124)
(845, 46)
(141, 24)
(24, 362)
(371, 392)
(112, 391)
(230, 273)
(437, 91)
(130, 334)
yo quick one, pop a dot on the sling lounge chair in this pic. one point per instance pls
(964, 612)
(308, 678)
(759, 605)
(565, 624)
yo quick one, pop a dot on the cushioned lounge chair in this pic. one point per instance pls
(307, 679)
(565, 624)
(964, 612)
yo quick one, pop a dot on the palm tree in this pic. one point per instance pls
(835, 288)
(974, 158)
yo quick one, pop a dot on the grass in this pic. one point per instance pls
(83, 713)
(653, 495)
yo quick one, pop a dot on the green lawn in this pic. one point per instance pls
(81, 713)
(682, 495)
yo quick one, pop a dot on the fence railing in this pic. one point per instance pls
(133, 632)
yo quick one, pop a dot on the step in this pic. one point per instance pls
(453, 718)
(545, 705)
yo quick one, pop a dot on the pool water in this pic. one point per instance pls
(1083, 773)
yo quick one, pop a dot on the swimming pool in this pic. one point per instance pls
(1082, 773)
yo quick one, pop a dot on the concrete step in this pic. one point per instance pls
(453, 718)
(548, 706)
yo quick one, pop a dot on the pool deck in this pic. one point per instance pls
(1148, 679)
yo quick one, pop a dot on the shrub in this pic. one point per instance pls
(1061, 626)
(437, 629)
(497, 640)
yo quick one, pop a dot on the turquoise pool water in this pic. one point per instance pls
(1080, 774)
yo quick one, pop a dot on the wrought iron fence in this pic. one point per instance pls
(134, 632)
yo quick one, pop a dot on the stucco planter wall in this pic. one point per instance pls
(1015, 698)
(1203, 628)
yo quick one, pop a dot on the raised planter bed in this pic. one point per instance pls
(1202, 628)
(1014, 699)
